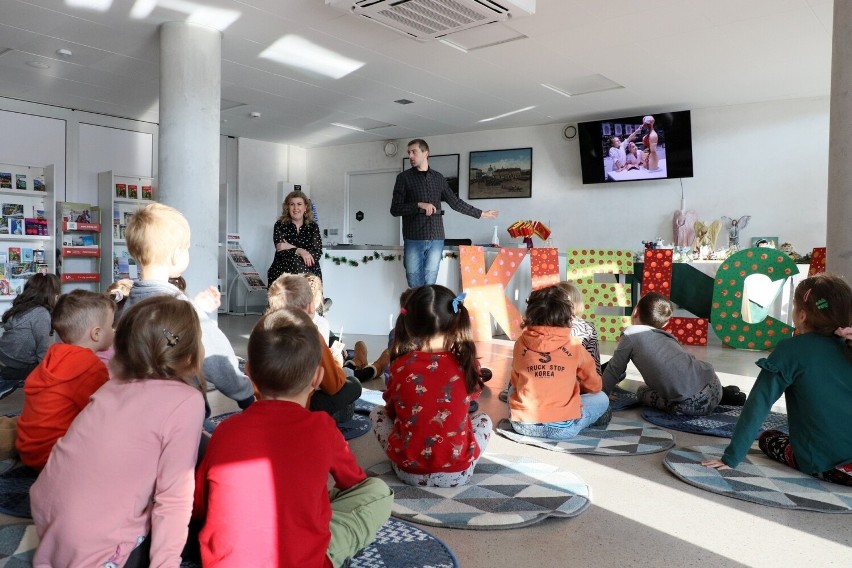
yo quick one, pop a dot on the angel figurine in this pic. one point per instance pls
(734, 226)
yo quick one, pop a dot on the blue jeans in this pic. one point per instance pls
(593, 407)
(422, 260)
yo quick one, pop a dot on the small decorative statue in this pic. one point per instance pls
(734, 226)
(706, 235)
(683, 227)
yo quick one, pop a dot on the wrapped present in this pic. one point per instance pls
(541, 230)
(521, 229)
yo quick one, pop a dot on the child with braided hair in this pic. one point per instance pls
(813, 370)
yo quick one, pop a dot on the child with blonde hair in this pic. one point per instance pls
(158, 238)
(60, 387)
(337, 391)
(424, 427)
(813, 370)
(279, 484)
(117, 488)
(555, 386)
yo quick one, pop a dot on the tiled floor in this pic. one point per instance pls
(641, 515)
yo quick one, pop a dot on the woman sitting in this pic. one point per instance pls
(298, 244)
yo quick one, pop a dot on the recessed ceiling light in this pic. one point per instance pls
(38, 64)
(64, 52)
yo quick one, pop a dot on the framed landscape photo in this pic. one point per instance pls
(500, 173)
(445, 164)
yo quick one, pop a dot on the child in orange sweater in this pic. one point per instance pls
(59, 388)
(556, 388)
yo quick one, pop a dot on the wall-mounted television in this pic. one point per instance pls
(635, 148)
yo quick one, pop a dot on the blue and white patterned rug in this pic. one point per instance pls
(505, 492)
(15, 482)
(368, 401)
(758, 479)
(720, 423)
(397, 545)
(620, 438)
(358, 426)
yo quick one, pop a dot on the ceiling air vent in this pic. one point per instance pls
(426, 20)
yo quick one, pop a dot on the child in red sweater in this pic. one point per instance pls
(59, 388)
(424, 427)
(262, 486)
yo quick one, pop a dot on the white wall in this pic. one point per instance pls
(767, 160)
(30, 140)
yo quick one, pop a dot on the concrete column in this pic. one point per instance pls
(190, 92)
(839, 227)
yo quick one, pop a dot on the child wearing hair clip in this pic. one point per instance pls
(424, 427)
(117, 488)
(813, 370)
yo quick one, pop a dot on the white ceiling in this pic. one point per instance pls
(667, 54)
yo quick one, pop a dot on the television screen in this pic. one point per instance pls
(655, 146)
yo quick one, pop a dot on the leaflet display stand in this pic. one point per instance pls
(245, 273)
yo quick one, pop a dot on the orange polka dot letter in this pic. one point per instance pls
(486, 291)
(657, 277)
(817, 262)
(544, 267)
(583, 264)
(726, 311)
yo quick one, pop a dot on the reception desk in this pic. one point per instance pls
(366, 297)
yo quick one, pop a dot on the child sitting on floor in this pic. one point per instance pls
(556, 389)
(813, 370)
(117, 488)
(424, 427)
(158, 237)
(270, 466)
(60, 387)
(580, 328)
(339, 388)
(26, 331)
(675, 381)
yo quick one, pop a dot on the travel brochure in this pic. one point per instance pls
(134, 191)
(237, 256)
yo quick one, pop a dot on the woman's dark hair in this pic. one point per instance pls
(429, 312)
(551, 307)
(40, 290)
(826, 302)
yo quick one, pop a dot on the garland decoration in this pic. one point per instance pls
(338, 260)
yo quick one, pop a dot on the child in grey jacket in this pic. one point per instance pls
(675, 381)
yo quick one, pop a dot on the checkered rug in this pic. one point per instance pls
(358, 426)
(620, 438)
(505, 492)
(720, 423)
(15, 482)
(759, 479)
(397, 545)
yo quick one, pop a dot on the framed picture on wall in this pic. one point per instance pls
(500, 173)
(445, 164)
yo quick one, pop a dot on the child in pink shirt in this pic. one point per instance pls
(117, 488)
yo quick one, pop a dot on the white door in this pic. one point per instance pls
(368, 200)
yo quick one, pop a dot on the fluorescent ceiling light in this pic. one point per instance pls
(556, 90)
(298, 52)
(216, 18)
(96, 5)
(350, 127)
(507, 114)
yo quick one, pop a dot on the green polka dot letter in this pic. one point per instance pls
(582, 265)
(726, 314)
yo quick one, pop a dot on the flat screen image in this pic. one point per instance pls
(635, 148)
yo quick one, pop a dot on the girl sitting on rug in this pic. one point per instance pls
(117, 488)
(26, 331)
(556, 388)
(813, 370)
(424, 427)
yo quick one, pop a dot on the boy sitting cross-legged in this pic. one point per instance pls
(262, 487)
(60, 387)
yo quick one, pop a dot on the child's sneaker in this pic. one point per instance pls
(504, 395)
(7, 387)
(732, 396)
(602, 422)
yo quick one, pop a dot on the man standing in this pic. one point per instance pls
(417, 197)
